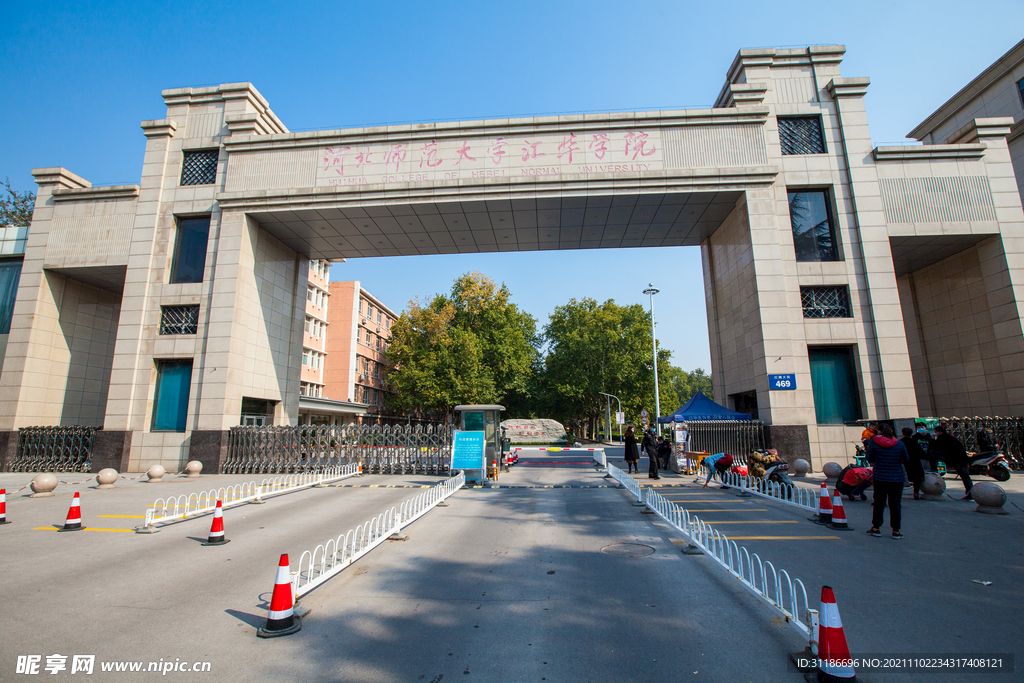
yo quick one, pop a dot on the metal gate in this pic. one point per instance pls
(739, 438)
(383, 449)
(54, 449)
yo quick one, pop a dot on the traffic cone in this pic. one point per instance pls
(360, 467)
(217, 528)
(834, 663)
(281, 618)
(3, 506)
(824, 506)
(839, 514)
(74, 520)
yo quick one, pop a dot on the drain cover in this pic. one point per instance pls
(628, 550)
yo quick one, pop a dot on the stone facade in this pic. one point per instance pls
(816, 245)
(533, 431)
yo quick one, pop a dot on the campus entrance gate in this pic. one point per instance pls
(818, 252)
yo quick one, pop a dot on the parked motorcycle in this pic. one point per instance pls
(993, 465)
(768, 465)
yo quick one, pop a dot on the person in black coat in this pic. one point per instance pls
(953, 453)
(632, 454)
(664, 452)
(915, 470)
(650, 446)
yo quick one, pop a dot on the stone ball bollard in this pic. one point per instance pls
(194, 469)
(831, 470)
(990, 498)
(106, 477)
(801, 467)
(933, 486)
(43, 485)
(156, 474)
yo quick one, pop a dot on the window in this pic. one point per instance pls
(369, 310)
(190, 250)
(366, 395)
(367, 337)
(826, 302)
(199, 167)
(376, 369)
(310, 389)
(801, 135)
(1020, 88)
(10, 274)
(378, 317)
(814, 237)
(388, 321)
(179, 319)
(257, 412)
(834, 381)
(170, 402)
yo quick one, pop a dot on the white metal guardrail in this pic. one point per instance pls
(774, 587)
(192, 504)
(798, 496)
(323, 562)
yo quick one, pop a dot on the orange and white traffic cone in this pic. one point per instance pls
(360, 467)
(839, 514)
(834, 662)
(217, 528)
(3, 506)
(281, 618)
(824, 506)
(74, 520)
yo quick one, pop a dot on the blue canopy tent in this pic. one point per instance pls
(700, 407)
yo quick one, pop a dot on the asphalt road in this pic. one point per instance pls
(518, 582)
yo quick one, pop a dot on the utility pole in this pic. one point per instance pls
(651, 291)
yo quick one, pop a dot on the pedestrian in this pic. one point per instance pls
(632, 454)
(853, 481)
(664, 452)
(870, 430)
(949, 450)
(915, 470)
(650, 446)
(925, 440)
(889, 456)
(719, 464)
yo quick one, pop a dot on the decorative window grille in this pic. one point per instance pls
(801, 135)
(179, 319)
(199, 167)
(826, 302)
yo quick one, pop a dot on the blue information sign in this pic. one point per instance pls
(781, 382)
(467, 450)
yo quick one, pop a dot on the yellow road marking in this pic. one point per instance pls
(126, 516)
(697, 500)
(758, 521)
(88, 528)
(736, 510)
(780, 538)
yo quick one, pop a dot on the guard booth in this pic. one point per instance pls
(477, 442)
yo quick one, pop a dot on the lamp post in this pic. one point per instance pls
(651, 291)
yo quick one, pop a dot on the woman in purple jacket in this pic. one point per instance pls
(889, 457)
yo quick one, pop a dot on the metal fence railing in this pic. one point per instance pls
(383, 449)
(739, 438)
(173, 508)
(786, 596)
(334, 555)
(54, 449)
(1009, 433)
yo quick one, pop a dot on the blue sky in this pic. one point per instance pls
(79, 77)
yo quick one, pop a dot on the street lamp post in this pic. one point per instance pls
(651, 291)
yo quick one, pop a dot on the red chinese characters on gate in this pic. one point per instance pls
(496, 157)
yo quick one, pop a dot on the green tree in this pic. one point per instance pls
(685, 384)
(594, 348)
(471, 346)
(16, 207)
